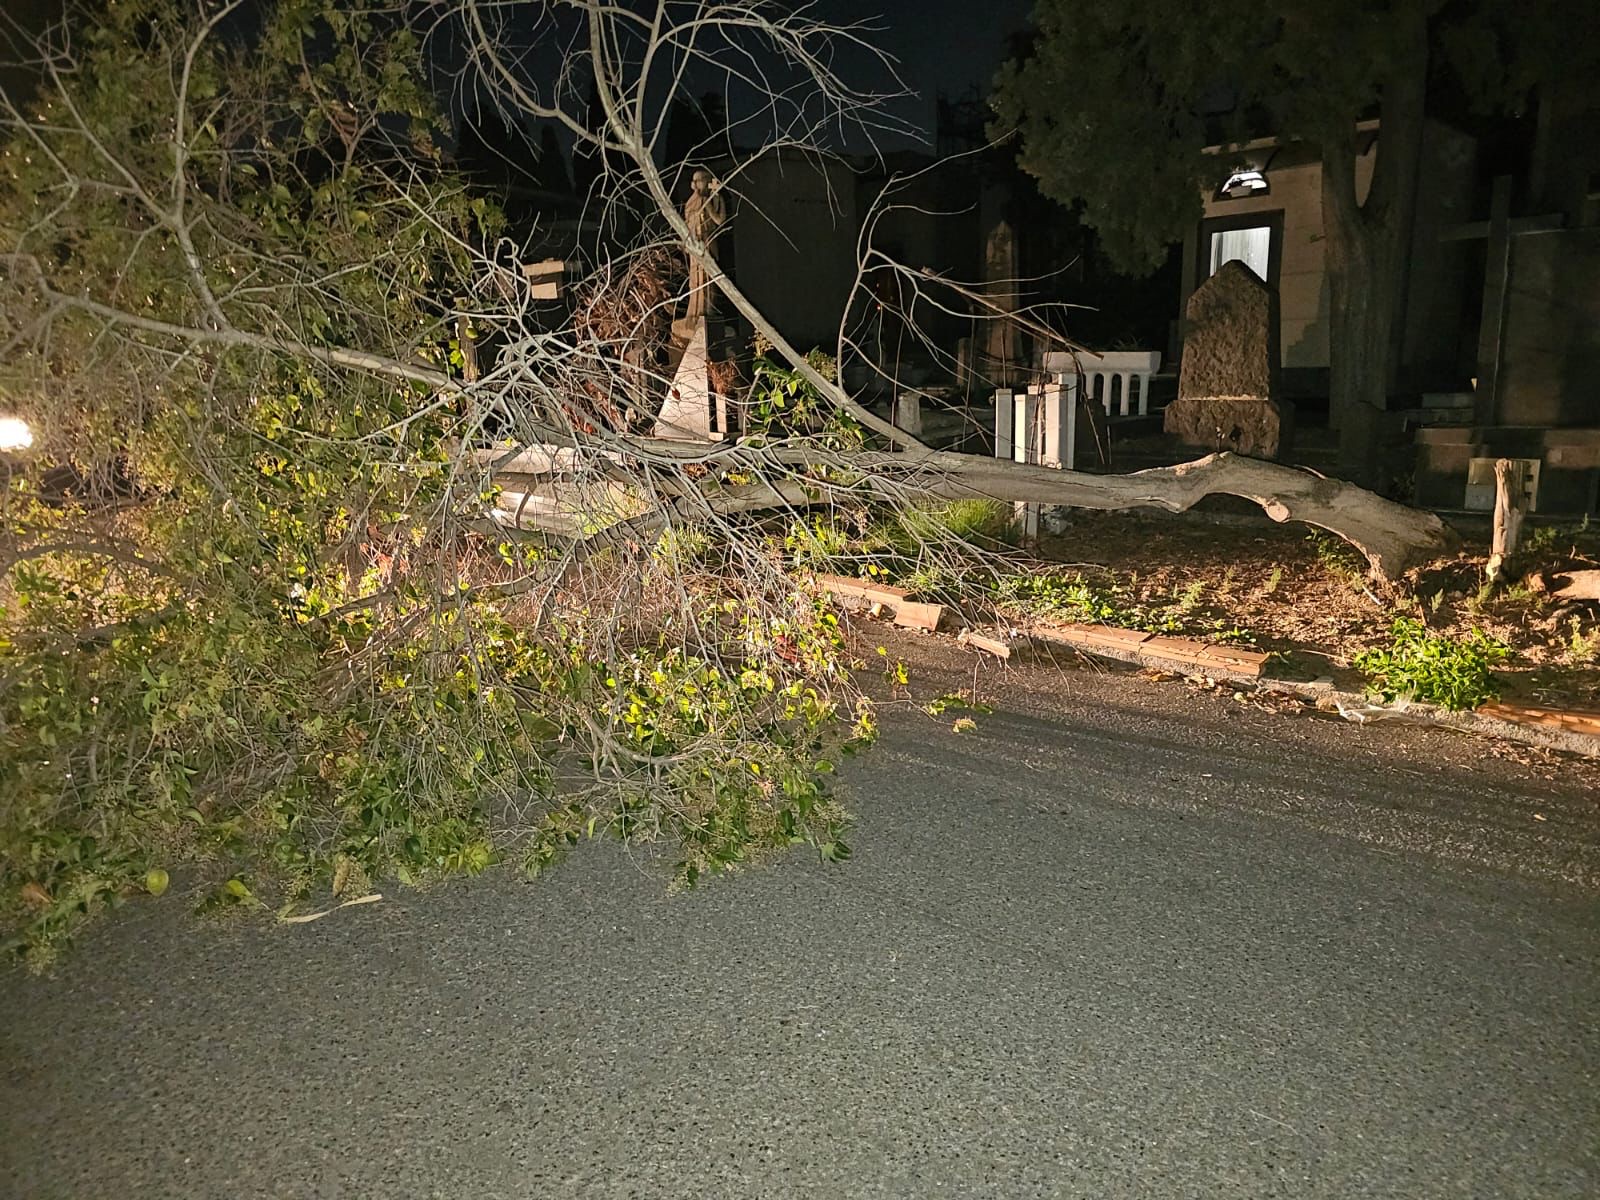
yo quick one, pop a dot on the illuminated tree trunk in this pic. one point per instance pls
(1366, 244)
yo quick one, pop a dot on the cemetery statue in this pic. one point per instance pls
(705, 212)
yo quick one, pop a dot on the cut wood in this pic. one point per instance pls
(1585, 721)
(979, 641)
(912, 614)
(1574, 585)
(1136, 644)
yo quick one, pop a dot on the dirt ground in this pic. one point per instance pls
(1304, 594)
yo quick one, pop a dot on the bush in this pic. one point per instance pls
(1060, 597)
(1067, 596)
(1454, 673)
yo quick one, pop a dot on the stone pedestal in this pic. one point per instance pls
(908, 413)
(1242, 424)
(693, 409)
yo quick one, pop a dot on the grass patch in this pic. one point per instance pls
(1069, 597)
(980, 522)
(1584, 647)
(1546, 540)
(1339, 559)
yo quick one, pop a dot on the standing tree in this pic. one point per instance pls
(297, 586)
(1116, 100)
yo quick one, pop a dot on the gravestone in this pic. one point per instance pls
(908, 412)
(1003, 360)
(1228, 383)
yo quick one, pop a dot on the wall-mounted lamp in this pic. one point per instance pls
(1244, 183)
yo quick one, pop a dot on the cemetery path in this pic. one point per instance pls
(1117, 942)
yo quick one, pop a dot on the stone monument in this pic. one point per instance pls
(1228, 382)
(1003, 360)
(693, 408)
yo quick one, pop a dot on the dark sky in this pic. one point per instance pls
(942, 45)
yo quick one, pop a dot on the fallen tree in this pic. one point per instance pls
(284, 623)
(1393, 538)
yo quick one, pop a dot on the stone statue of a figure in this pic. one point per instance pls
(705, 212)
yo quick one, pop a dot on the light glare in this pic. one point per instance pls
(15, 434)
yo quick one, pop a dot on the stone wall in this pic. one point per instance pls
(1550, 364)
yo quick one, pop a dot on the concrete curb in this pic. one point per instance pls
(1357, 707)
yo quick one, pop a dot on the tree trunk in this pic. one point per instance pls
(1393, 538)
(1360, 290)
(1366, 247)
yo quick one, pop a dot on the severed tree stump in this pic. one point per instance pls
(1510, 507)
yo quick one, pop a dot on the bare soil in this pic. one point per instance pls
(1305, 595)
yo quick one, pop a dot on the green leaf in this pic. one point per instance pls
(156, 881)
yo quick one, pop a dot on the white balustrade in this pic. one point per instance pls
(1115, 371)
(1040, 426)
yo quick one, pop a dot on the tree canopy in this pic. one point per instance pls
(1113, 101)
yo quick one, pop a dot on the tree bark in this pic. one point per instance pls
(1510, 501)
(1366, 256)
(1392, 537)
(1574, 585)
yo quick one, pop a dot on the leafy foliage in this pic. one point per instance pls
(783, 401)
(250, 625)
(978, 522)
(1454, 673)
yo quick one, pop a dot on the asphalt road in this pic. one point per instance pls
(1122, 941)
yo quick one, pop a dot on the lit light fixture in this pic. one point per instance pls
(15, 434)
(1245, 183)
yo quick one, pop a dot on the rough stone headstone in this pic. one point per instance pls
(964, 365)
(1228, 382)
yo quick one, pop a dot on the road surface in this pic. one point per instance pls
(1121, 941)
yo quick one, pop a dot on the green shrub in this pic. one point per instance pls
(1454, 673)
(261, 644)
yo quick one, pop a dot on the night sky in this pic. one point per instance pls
(951, 46)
